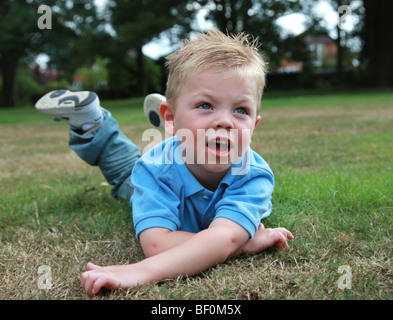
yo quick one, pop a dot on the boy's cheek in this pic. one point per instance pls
(243, 140)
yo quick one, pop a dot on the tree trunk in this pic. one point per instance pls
(142, 78)
(339, 67)
(8, 68)
(379, 42)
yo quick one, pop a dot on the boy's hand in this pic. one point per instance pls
(113, 278)
(266, 238)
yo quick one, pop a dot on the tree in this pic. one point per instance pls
(18, 25)
(378, 42)
(375, 30)
(67, 40)
(137, 22)
(255, 17)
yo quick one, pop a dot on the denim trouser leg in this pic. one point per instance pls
(109, 149)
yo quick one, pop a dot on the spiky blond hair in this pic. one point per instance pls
(236, 54)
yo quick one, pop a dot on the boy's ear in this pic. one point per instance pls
(168, 116)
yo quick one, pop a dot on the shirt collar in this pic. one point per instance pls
(192, 185)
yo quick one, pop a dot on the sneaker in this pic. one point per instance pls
(81, 109)
(151, 108)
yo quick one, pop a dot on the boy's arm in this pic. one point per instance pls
(157, 240)
(223, 239)
(199, 252)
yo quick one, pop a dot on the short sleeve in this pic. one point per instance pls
(248, 199)
(154, 203)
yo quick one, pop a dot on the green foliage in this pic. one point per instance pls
(150, 19)
(20, 38)
(94, 77)
(80, 34)
(26, 87)
(257, 18)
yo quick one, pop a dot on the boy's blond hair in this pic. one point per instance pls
(215, 50)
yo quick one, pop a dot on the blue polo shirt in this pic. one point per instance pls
(167, 195)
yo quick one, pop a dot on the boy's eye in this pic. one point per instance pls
(204, 106)
(241, 111)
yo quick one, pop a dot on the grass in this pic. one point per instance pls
(332, 158)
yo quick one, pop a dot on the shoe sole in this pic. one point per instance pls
(151, 109)
(60, 102)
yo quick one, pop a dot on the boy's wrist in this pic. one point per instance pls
(149, 271)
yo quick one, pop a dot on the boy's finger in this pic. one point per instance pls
(84, 279)
(87, 283)
(286, 232)
(91, 266)
(98, 284)
(290, 235)
(282, 242)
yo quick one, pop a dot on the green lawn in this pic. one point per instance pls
(332, 158)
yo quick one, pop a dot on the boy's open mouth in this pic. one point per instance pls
(219, 145)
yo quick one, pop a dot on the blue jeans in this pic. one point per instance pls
(109, 149)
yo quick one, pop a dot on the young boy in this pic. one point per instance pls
(198, 197)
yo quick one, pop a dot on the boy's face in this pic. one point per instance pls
(215, 115)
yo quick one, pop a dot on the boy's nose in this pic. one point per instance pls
(223, 120)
